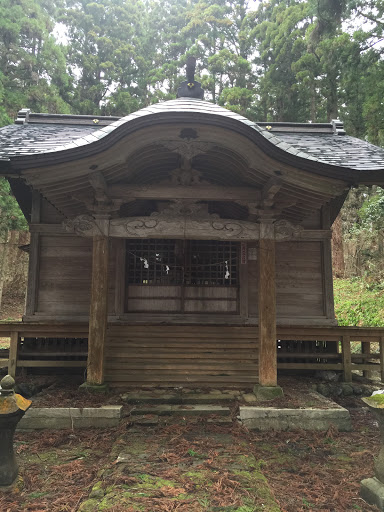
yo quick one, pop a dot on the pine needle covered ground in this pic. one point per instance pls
(194, 467)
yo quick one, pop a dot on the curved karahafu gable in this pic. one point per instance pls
(315, 147)
(298, 166)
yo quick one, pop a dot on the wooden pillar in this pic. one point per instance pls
(98, 314)
(329, 308)
(267, 307)
(34, 257)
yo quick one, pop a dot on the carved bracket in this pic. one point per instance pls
(187, 148)
(185, 207)
(284, 230)
(83, 225)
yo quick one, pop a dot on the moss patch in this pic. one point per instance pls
(164, 472)
(376, 400)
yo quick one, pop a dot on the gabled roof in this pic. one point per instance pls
(323, 143)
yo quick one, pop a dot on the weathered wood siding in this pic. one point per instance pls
(188, 299)
(158, 355)
(64, 282)
(299, 282)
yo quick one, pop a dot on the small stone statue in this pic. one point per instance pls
(190, 88)
(12, 409)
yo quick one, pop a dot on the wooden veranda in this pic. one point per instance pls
(169, 355)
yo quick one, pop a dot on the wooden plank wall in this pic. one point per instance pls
(299, 280)
(65, 275)
(188, 299)
(169, 356)
(65, 280)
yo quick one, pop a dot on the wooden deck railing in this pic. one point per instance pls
(18, 331)
(340, 359)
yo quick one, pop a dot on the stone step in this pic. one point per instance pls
(152, 420)
(148, 420)
(187, 399)
(180, 410)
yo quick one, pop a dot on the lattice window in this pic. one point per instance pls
(151, 261)
(212, 263)
(182, 262)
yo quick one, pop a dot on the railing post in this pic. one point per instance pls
(366, 349)
(12, 358)
(381, 344)
(346, 355)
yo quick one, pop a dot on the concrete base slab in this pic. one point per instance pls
(372, 491)
(71, 417)
(270, 418)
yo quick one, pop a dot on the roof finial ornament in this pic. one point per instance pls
(190, 88)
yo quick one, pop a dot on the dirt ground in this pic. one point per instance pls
(194, 466)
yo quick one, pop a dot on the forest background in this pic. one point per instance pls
(279, 60)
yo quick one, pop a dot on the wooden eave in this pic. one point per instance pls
(117, 151)
(300, 192)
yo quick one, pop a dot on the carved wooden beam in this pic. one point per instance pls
(190, 225)
(198, 192)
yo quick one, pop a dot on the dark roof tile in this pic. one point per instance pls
(340, 150)
(42, 133)
(38, 138)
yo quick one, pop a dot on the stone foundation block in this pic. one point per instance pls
(71, 417)
(270, 418)
(372, 491)
(267, 392)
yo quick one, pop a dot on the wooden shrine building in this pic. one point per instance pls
(181, 237)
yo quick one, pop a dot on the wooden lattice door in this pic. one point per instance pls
(182, 276)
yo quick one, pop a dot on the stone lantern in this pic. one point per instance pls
(12, 409)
